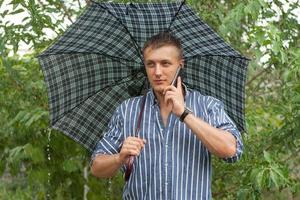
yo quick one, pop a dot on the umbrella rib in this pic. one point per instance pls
(234, 56)
(88, 53)
(177, 12)
(121, 81)
(132, 38)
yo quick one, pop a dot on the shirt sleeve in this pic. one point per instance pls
(112, 139)
(219, 119)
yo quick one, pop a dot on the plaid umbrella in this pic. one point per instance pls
(97, 64)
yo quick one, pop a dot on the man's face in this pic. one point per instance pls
(161, 65)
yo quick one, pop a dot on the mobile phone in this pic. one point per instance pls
(178, 73)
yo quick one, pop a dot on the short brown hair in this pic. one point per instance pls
(163, 39)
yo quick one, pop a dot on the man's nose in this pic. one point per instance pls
(158, 70)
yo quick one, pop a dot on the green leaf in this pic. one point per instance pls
(260, 179)
(1, 2)
(253, 174)
(14, 159)
(263, 3)
(278, 171)
(257, 178)
(253, 9)
(4, 13)
(2, 167)
(276, 46)
(25, 18)
(17, 11)
(16, 154)
(266, 42)
(34, 153)
(286, 75)
(243, 194)
(260, 37)
(283, 56)
(38, 176)
(296, 98)
(267, 157)
(70, 165)
(26, 117)
(18, 117)
(29, 117)
(274, 178)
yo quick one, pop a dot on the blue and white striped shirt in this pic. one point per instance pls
(173, 164)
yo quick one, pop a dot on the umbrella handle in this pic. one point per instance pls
(129, 166)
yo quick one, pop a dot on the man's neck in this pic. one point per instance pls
(165, 108)
(160, 99)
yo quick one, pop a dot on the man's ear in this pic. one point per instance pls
(181, 63)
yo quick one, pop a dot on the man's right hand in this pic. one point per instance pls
(132, 146)
(106, 166)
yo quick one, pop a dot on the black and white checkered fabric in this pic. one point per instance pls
(97, 64)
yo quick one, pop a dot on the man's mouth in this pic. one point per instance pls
(158, 81)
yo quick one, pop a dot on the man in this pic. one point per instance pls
(180, 129)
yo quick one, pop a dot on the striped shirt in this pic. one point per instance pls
(174, 164)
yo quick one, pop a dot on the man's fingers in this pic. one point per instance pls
(138, 144)
(170, 97)
(136, 139)
(134, 142)
(135, 153)
(139, 140)
(132, 150)
(169, 88)
(133, 146)
(129, 150)
(173, 88)
(167, 98)
(179, 86)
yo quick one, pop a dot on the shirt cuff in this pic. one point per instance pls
(239, 147)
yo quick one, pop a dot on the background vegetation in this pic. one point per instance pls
(37, 163)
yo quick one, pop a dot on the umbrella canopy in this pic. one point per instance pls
(97, 64)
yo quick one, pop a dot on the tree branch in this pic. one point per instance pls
(88, 2)
(261, 72)
(66, 12)
(79, 4)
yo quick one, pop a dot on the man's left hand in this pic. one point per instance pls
(174, 95)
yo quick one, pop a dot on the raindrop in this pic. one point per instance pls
(49, 158)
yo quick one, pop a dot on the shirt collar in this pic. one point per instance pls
(154, 101)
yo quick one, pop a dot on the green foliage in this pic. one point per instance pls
(38, 163)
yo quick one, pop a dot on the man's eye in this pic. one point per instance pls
(149, 64)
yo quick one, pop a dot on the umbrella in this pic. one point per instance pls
(97, 63)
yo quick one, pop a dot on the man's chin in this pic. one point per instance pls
(159, 89)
